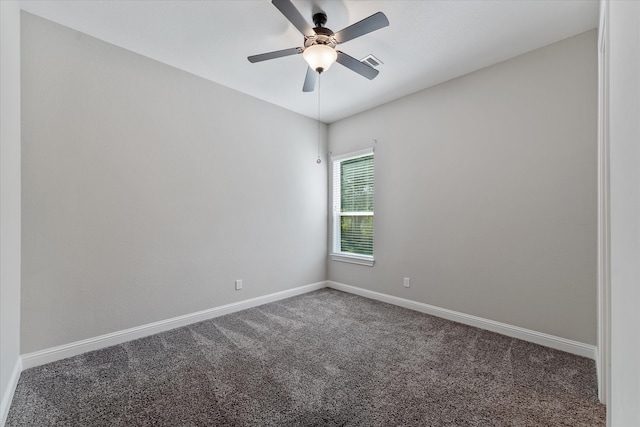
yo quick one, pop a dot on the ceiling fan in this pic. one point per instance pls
(320, 43)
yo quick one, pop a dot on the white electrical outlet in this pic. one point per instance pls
(238, 284)
(407, 282)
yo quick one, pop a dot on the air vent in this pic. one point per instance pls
(371, 61)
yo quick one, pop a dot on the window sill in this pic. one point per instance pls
(353, 259)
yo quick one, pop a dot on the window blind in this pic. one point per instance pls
(353, 196)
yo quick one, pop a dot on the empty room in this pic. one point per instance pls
(320, 213)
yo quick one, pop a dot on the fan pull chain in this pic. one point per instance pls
(319, 80)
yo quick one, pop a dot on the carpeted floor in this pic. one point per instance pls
(325, 358)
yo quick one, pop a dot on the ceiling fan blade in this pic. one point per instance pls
(293, 15)
(310, 80)
(374, 22)
(354, 65)
(275, 54)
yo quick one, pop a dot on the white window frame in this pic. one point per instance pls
(336, 254)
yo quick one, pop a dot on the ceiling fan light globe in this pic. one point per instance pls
(320, 57)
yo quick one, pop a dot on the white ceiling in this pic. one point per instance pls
(426, 43)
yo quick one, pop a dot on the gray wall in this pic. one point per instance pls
(486, 192)
(147, 191)
(10, 197)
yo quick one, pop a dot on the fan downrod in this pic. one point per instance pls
(319, 19)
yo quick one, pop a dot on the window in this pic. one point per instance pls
(353, 207)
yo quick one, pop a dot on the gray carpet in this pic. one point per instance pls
(325, 358)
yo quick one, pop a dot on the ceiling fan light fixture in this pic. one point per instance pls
(320, 57)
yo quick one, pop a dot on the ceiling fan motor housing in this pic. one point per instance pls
(323, 35)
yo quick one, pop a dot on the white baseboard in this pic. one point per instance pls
(7, 393)
(599, 377)
(73, 349)
(49, 355)
(573, 347)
